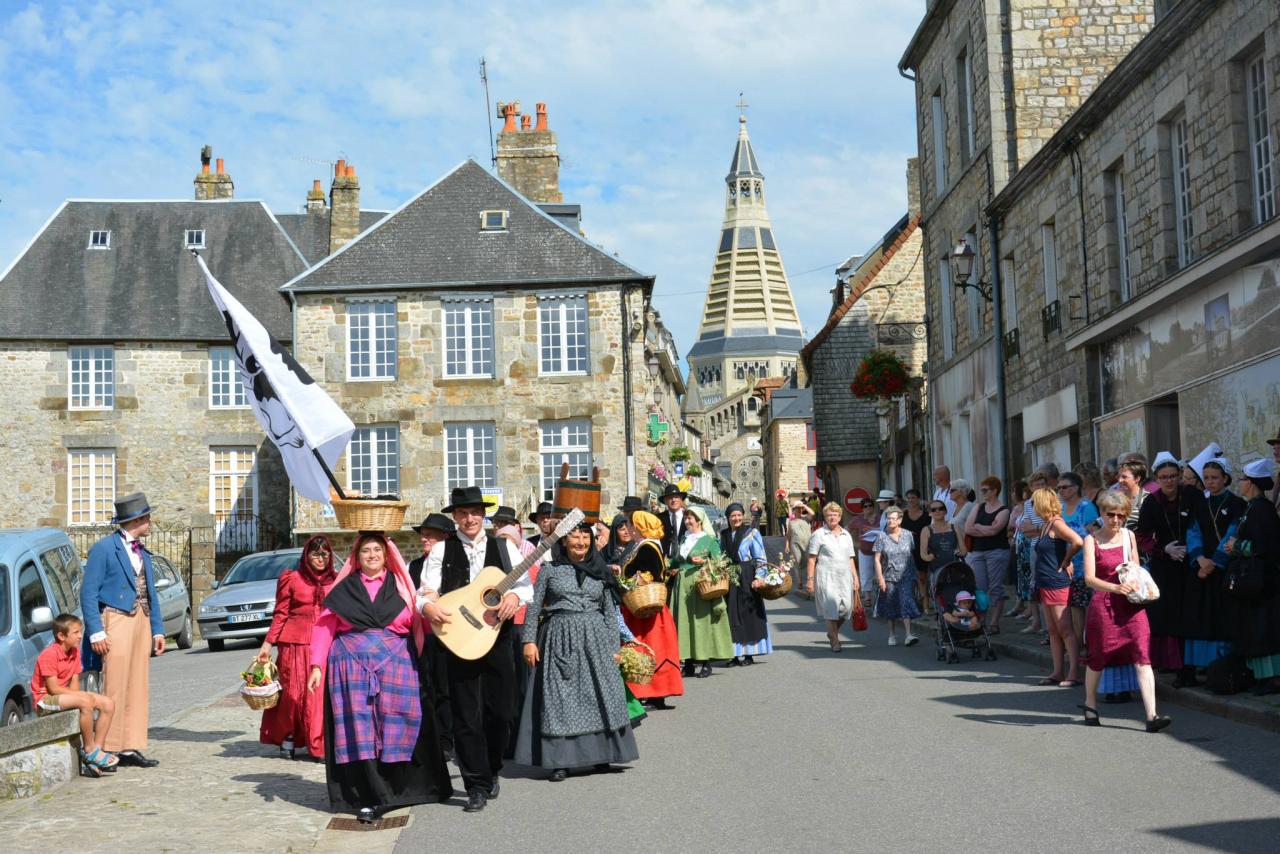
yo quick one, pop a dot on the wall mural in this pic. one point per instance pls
(1239, 411)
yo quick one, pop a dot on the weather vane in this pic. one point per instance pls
(742, 107)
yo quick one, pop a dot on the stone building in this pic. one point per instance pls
(993, 83)
(473, 338)
(117, 371)
(749, 329)
(878, 301)
(1149, 220)
(789, 442)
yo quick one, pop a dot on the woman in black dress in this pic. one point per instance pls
(1163, 521)
(1257, 635)
(747, 623)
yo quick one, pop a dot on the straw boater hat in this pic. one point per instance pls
(582, 494)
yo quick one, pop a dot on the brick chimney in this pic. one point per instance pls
(315, 197)
(529, 159)
(344, 204)
(913, 187)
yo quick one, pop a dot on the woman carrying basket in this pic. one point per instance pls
(658, 631)
(747, 622)
(382, 747)
(297, 721)
(703, 625)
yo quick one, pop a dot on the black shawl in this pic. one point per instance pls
(1258, 621)
(350, 600)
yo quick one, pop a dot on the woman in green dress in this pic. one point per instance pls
(703, 626)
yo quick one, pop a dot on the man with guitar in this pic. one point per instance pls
(481, 691)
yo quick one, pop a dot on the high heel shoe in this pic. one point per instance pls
(1158, 723)
(1091, 721)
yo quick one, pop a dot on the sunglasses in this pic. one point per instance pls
(937, 510)
(1117, 515)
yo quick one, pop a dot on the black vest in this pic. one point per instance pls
(455, 569)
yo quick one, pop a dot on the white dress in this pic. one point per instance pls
(832, 580)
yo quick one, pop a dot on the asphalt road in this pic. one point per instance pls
(883, 749)
(183, 678)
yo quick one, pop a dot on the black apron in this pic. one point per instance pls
(747, 622)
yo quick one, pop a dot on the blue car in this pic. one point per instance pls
(40, 577)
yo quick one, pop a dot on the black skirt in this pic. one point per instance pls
(747, 622)
(372, 783)
(1165, 614)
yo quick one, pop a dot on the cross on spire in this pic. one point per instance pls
(742, 107)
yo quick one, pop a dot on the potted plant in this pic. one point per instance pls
(694, 470)
(679, 454)
(881, 375)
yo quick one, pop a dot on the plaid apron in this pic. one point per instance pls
(373, 692)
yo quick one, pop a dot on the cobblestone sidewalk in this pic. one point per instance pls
(216, 789)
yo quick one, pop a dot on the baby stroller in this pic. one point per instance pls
(947, 582)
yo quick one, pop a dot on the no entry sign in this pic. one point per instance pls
(855, 499)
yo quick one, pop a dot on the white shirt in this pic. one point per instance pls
(943, 494)
(432, 570)
(135, 560)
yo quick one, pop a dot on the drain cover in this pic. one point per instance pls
(381, 824)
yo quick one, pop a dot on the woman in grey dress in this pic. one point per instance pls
(575, 711)
(896, 577)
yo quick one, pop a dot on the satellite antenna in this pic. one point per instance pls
(484, 78)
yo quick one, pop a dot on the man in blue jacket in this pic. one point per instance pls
(122, 625)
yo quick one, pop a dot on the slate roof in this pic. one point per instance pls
(310, 231)
(790, 402)
(743, 164)
(434, 240)
(847, 427)
(146, 286)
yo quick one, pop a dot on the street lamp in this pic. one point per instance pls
(962, 258)
(653, 364)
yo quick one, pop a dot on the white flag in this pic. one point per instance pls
(299, 417)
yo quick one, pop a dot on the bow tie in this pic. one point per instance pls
(136, 545)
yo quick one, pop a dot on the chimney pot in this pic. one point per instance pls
(204, 168)
(220, 169)
(526, 122)
(509, 113)
(542, 116)
(340, 169)
(351, 171)
(315, 186)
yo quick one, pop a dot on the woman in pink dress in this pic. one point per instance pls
(1116, 629)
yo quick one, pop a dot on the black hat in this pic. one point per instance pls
(737, 505)
(464, 496)
(631, 503)
(673, 491)
(130, 507)
(436, 522)
(504, 514)
(546, 508)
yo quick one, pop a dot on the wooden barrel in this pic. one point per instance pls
(580, 494)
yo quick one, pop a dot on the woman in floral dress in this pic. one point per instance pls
(895, 577)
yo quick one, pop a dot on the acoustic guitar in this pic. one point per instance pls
(473, 628)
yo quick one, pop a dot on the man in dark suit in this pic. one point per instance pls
(122, 625)
(673, 524)
(545, 518)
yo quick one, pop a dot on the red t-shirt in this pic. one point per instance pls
(55, 662)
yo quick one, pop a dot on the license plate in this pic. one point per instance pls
(245, 618)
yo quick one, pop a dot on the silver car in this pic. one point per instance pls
(175, 602)
(241, 603)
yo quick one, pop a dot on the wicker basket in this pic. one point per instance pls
(645, 600)
(775, 591)
(641, 674)
(262, 697)
(710, 590)
(369, 514)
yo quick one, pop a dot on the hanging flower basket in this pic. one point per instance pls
(880, 375)
(679, 454)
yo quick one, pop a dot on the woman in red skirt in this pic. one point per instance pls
(297, 721)
(658, 631)
(1116, 629)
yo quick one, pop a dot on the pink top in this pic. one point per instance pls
(329, 625)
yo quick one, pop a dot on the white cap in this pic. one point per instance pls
(1163, 458)
(886, 495)
(1258, 468)
(1211, 451)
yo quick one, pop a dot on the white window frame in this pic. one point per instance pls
(468, 337)
(556, 441)
(1121, 216)
(939, 143)
(98, 374)
(233, 473)
(195, 238)
(1180, 156)
(369, 323)
(563, 353)
(226, 389)
(373, 460)
(93, 235)
(484, 220)
(1261, 168)
(964, 105)
(948, 309)
(98, 507)
(474, 445)
(1009, 292)
(1049, 261)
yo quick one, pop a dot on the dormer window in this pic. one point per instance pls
(99, 240)
(493, 220)
(195, 238)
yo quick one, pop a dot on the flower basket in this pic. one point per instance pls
(645, 600)
(637, 663)
(260, 691)
(711, 590)
(370, 514)
(880, 374)
(776, 591)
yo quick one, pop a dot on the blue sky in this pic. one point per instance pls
(114, 100)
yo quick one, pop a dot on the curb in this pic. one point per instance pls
(1238, 708)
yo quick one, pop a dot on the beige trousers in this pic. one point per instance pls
(126, 670)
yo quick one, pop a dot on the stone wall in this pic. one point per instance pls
(530, 161)
(38, 755)
(421, 400)
(788, 457)
(1200, 76)
(161, 430)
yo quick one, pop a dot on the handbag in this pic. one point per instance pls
(859, 619)
(1145, 590)
(1246, 577)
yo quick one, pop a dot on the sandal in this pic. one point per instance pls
(101, 759)
(1069, 683)
(1091, 721)
(1049, 681)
